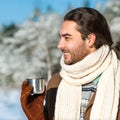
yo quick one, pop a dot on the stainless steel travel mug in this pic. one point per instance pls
(38, 85)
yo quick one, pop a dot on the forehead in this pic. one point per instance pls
(68, 27)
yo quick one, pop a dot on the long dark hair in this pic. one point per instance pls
(89, 21)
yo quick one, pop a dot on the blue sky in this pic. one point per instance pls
(16, 11)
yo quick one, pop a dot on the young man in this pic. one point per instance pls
(88, 85)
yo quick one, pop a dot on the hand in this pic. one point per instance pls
(32, 105)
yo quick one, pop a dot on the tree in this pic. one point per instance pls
(112, 13)
(9, 30)
(31, 51)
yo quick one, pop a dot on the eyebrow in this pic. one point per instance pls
(66, 34)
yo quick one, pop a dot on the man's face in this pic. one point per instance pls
(74, 48)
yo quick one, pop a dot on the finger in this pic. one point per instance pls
(27, 90)
(24, 85)
(26, 94)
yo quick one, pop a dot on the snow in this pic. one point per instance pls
(10, 107)
(115, 24)
(26, 52)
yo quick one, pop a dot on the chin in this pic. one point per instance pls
(67, 62)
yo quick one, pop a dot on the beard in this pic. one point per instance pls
(76, 55)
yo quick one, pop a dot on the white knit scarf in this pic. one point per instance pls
(68, 99)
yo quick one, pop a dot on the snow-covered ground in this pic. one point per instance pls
(10, 108)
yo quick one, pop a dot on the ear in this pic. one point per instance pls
(90, 40)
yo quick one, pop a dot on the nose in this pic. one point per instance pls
(61, 44)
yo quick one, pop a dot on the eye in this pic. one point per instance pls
(68, 38)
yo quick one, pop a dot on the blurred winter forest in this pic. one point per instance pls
(30, 48)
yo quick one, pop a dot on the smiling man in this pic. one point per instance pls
(88, 84)
(72, 44)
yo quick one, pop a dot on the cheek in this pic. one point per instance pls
(76, 47)
(79, 52)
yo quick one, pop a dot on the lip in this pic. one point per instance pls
(66, 54)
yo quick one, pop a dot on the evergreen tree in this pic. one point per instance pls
(112, 13)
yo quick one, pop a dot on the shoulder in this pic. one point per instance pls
(54, 81)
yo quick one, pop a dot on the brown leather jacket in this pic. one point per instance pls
(51, 96)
